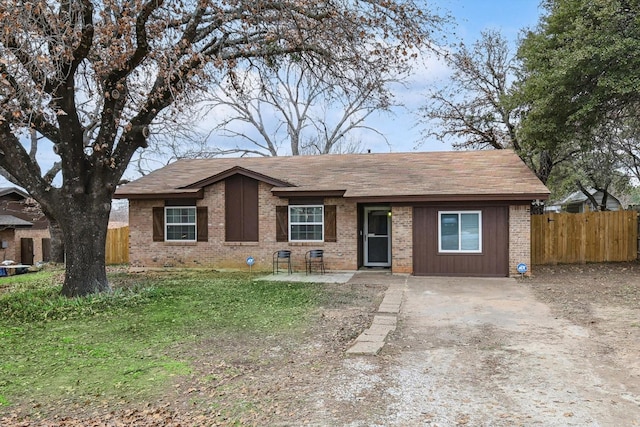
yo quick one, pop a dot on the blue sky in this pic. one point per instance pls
(510, 17)
(471, 17)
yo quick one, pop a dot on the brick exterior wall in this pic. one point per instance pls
(519, 237)
(216, 253)
(9, 253)
(12, 237)
(402, 239)
(339, 255)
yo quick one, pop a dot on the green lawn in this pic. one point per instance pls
(126, 345)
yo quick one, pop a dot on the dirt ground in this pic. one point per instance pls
(567, 354)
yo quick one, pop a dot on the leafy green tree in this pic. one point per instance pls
(598, 166)
(579, 70)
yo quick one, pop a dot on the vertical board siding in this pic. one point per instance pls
(241, 209)
(586, 237)
(493, 261)
(117, 247)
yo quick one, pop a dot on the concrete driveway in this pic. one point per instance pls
(481, 352)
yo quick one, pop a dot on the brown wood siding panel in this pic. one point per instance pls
(46, 249)
(330, 228)
(202, 224)
(493, 261)
(241, 209)
(282, 223)
(158, 224)
(306, 200)
(233, 208)
(360, 235)
(180, 202)
(249, 209)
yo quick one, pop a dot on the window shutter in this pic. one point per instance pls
(158, 224)
(282, 223)
(330, 233)
(202, 223)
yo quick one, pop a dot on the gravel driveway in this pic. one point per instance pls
(485, 352)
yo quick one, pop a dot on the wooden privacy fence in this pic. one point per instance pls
(586, 237)
(117, 248)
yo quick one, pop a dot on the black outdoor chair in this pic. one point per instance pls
(281, 257)
(314, 259)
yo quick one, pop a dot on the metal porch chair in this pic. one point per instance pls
(314, 259)
(282, 257)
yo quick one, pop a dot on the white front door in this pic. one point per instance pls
(377, 237)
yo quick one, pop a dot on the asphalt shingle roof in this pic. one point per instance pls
(428, 175)
(12, 222)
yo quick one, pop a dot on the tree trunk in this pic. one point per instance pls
(603, 203)
(85, 233)
(544, 167)
(588, 195)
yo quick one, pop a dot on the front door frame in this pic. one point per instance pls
(365, 236)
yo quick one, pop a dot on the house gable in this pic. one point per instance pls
(237, 170)
(18, 204)
(12, 193)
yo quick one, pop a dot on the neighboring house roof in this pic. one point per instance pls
(5, 191)
(450, 176)
(15, 202)
(10, 221)
(579, 197)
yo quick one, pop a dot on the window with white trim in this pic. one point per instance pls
(180, 223)
(306, 223)
(460, 232)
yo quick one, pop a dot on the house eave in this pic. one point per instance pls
(180, 194)
(15, 226)
(428, 198)
(306, 193)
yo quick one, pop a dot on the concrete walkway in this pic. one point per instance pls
(371, 340)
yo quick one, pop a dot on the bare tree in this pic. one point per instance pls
(94, 77)
(479, 108)
(298, 110)
(177, 134)
(472, 110)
